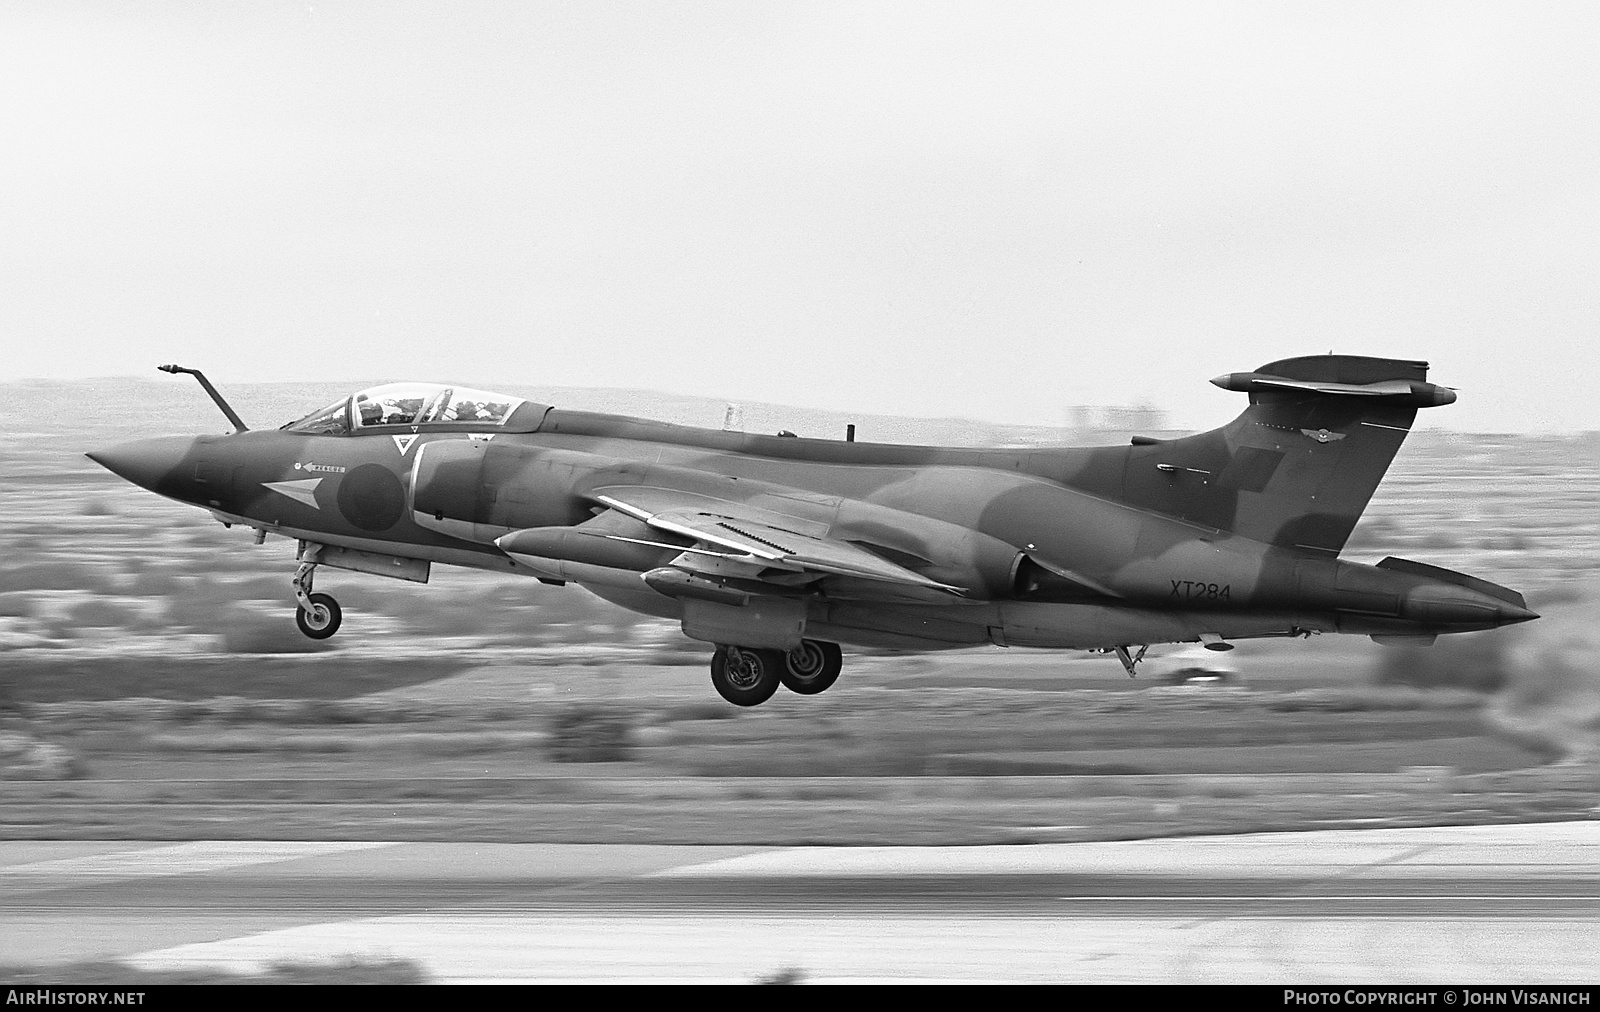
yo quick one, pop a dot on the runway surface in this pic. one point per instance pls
(1490, 904)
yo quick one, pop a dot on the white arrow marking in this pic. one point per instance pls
(303, 490)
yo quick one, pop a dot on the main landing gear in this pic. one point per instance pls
(318, 615)
(746, 676)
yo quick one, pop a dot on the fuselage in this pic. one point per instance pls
(1035, 543)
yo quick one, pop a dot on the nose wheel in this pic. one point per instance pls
(318, 615)
(322, 619)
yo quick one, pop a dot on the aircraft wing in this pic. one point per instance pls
(741, 533)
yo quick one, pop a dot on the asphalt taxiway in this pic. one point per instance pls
(1487, 904)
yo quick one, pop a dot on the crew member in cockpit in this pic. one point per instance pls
(400, 412)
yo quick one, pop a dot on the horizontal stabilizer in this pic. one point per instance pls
(1406, 393)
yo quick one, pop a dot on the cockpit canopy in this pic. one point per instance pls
(432, 404)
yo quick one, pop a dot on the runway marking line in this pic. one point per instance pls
(183, 858)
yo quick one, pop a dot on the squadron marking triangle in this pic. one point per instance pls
(403, 443)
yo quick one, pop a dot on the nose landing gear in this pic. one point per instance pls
(322, 619)
(318, 615)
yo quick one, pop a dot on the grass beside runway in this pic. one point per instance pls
(638, 754)
(119, 974)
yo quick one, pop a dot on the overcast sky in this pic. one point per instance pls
(992, 210)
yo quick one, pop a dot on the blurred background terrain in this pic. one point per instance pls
(153, 684)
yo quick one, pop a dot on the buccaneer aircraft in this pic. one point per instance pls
(778, 549)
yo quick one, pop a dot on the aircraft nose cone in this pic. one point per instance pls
(145, 462)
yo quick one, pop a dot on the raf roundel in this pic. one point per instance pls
(371, 497)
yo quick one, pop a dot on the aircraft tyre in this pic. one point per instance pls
(745, 677)
(324, 618)
(811, 667)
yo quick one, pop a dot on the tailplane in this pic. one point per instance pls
(1299, 466)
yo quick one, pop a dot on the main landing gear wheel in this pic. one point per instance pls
(322, 620)
(811, 667)
(745, 677)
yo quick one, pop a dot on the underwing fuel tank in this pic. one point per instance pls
(588, 547)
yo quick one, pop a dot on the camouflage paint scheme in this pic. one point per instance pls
(771, 542)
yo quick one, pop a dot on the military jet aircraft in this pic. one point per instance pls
(778, 549)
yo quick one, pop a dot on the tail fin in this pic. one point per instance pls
(1300, 465)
